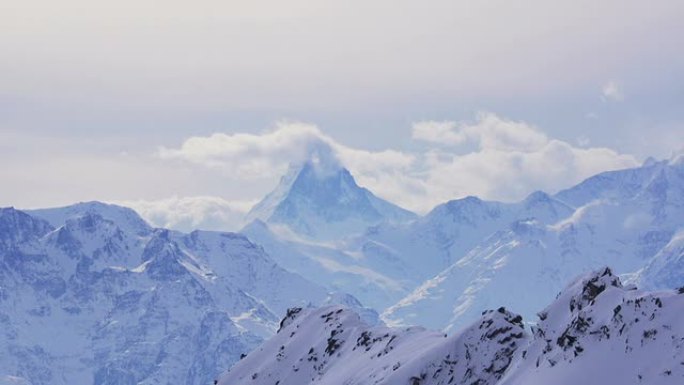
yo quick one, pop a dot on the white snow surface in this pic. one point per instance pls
(595, 332)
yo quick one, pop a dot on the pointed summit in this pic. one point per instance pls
(321, 200)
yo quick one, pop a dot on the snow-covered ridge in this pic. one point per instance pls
(595, 332)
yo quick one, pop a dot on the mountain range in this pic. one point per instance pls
(91, 293)
(441, 269)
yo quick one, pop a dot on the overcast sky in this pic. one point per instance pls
(180, 107)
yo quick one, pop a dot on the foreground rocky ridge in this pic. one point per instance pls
(595, 332)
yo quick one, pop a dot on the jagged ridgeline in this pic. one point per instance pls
(595, 332)
(90, 293)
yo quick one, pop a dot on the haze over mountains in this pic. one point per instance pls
(136, 304)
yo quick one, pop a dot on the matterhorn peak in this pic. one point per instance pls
(323, 161)
(320, 199)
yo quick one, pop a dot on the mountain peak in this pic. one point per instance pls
(16, 226)
(122, 216)
(321, 199)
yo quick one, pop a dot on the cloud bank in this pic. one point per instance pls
(192, 213)
(490, 157)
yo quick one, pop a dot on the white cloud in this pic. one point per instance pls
(251, 155)
(191, 213)
(612, 91)
(444, 132)
(511, 175)
(510, 159)
(489, 132)
(268, 154)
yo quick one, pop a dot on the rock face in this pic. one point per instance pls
(90, 294)
(595, 332)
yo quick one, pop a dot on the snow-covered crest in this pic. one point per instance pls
(320, 199)
(595, 332)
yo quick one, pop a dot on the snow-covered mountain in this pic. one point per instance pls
(442, 269)
(595, 332)
(90, 294)
(666, 269)
(321, 200)
(135, 304)
(492, 251)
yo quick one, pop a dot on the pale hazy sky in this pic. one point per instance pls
(173, 104)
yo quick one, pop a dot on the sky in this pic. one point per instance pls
(191, 111)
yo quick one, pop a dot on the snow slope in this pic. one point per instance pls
(666, 269)
(327, 264)
(595, 332)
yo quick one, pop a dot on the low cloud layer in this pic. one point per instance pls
(192, 213)
(490, 157)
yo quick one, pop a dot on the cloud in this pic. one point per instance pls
(252, 155)
(512, 159)
(488, 131)
(511, 175)
(612, 91)
(503, 160)
(444, 132)
(191, 213)
(268, 154)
